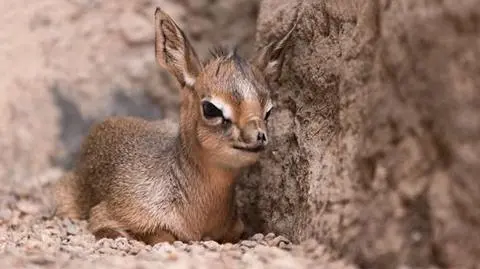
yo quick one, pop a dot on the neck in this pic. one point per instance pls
(200, 163)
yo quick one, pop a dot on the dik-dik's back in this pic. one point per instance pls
(122, 151)
(155, 181)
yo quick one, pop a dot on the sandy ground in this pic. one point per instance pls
(30, 238)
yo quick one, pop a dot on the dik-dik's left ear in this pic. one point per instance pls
(173, 50)
(269, 59)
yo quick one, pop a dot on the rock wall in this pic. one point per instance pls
(376, 133)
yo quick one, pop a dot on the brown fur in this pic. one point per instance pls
(154, 182)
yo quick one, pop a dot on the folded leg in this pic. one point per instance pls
(156, 237)
(103, 226)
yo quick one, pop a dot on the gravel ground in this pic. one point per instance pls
(29, 238)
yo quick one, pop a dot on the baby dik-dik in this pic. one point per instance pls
(148, 181)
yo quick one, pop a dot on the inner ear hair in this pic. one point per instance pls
(269, 59)
(173, 50)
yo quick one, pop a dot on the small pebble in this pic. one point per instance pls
(248, 243)
(227, 246)
(263, 243)
(164, 247)
(104, 243)
(211, 245)
(276, 241)
(257, 237)
(284, 245)
(178, 244)
(122, 243)
(244, 248)
(187, 248)
(270, 236)
(72, 230)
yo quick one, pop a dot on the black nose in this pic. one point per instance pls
(261, 137)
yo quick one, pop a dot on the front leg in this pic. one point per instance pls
(235, 233)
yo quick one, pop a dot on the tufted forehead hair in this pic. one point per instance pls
(232, 75)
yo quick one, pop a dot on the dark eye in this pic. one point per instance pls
(268, 114)
(210, 110)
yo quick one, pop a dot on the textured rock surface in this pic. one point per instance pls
(376, 132)
(305, 184)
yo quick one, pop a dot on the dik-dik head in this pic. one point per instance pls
(225, 101)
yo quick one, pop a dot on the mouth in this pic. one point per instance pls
(250, 149)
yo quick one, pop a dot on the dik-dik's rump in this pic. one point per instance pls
(154, 181)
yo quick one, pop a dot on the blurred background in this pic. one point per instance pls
(67, 63)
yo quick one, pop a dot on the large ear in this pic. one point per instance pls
(269, 59)
(173, 50)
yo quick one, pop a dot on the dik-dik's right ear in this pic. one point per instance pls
(173, 50)
(269, 59)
